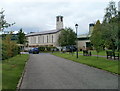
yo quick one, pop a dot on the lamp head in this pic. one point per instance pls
(76, 25)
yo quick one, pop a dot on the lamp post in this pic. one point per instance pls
(76, 26)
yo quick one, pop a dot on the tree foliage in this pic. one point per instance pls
(67, 37)
(3, 22)
(107, 33)
(118, 20)
(9, 48)
(110, 27)
(110, 34)
(96, 37)
(21, 37)
(110, 12)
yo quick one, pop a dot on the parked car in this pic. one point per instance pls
(73, 48)
(34, 50)
(65, 49)
(69, 48)
(54, 49)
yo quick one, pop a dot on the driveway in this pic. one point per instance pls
(45, 71)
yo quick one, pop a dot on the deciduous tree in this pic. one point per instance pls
(21, 37)
(67, 37)
(96, 38)
(110, 27)
(3, 22)
(9, 47)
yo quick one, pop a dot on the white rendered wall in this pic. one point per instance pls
(42, 39)
(119, 6)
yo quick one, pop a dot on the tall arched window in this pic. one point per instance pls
(61, 19)
(52, 38)
(47, 38)
(43, 38)
(57, 18)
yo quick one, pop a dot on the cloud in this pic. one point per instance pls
(40, 15)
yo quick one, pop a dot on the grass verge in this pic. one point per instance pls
(12, 70)
(0, 75)
(101, 63)
(101, 53)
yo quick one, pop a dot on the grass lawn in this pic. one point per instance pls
(0, 75)
(101, 63)
(12, 70)
(102, 53)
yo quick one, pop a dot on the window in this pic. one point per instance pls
(39, 39)
(47, 39)
(52, 38)
(43, 39)
(61, 19)
(34, 39)
(57, 18)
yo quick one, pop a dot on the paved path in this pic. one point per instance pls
(45, 71)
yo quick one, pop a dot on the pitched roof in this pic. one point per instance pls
(43, 32)
(84, 36)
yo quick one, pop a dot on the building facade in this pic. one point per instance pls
(119, 6)
(84, 39)
(46, 38)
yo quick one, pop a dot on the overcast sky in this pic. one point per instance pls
(40, 15)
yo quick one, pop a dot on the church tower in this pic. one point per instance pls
(91, 27)
(59, 22)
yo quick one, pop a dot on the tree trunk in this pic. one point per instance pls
(97, 54)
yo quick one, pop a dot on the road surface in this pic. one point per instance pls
(45, 71)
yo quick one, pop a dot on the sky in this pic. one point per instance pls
(40, 15)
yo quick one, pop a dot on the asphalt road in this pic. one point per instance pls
(45, 71)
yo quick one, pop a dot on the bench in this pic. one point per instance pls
(111, 54)
(116, 55)
(86, 53)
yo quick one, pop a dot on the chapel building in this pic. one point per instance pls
(46, 38)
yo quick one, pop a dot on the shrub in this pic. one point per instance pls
(46, 48)
(41, 48)
(9, 48)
